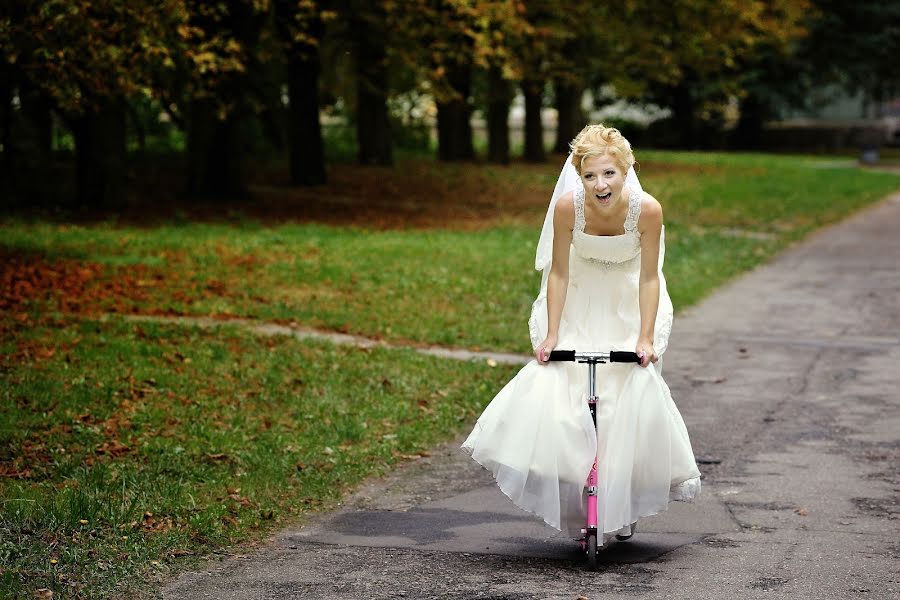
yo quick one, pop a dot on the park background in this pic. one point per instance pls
(176, 173)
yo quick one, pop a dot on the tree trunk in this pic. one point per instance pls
(570, 118)
(100, 155)
(139, 130)
(684, 116)
(6, 125)
(534, 126)
(748, 132)
(454, 117)
(215, 154)
(499, 99)
(373, 126)
(306, 151)
(305, 145)
(38, 113)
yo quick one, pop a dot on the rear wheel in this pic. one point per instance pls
(592, 551)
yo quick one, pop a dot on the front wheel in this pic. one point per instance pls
(592, 551)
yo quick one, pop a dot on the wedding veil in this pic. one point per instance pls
(568, 181)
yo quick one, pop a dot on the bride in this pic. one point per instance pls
(601, 253)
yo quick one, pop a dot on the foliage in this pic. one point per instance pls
(433, 37)
(78, 53)
(702, 44)
(855, 44)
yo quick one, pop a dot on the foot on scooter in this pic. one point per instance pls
(627, 532)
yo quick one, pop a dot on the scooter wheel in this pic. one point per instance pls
(592, 551)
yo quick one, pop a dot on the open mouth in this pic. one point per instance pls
(605, 197)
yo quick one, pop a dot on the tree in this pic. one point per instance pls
(690, 55)
(221, 63)
(447, 38)
(504, 29)
(444, 42)
(536, 68)
(373, 127)
(561, 48)
(301, 28)
(84, 60)
(499, 98)
(856, 45)
(579, 60)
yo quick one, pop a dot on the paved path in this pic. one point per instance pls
(787, 380)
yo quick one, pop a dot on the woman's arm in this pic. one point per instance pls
(650, 228)
(558, 279)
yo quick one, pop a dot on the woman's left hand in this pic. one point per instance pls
(645, 350)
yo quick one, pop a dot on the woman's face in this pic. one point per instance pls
(603, 180)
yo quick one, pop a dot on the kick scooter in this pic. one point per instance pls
(590, 541)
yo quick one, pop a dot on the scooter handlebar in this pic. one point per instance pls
(624, 357)
(614, 356)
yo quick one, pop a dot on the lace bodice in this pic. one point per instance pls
(608, 249)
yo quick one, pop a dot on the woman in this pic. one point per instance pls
(601, 254)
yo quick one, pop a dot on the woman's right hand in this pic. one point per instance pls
(542, 352)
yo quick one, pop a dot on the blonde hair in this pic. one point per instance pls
(597, 140)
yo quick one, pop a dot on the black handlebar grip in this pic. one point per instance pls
(624, 357)
(568, 355)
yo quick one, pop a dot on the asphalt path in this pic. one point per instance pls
(787, 380)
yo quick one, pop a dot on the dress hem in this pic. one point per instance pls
(684, 491)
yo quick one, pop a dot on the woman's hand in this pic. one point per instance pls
(646, 351)
(542, 352)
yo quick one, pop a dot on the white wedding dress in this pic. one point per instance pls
(536, 436)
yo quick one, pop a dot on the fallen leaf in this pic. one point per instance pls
(229, 520)
(43, 593)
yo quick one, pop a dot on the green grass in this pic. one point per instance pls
(129, 450)
(134, 447)
(725, 213)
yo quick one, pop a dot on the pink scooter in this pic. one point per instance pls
(589, 543)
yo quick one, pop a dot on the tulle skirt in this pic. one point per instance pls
(537, 439)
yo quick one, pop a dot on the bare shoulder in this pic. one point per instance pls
(564, 213)
(651, 212)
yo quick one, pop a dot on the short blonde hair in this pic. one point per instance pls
(597, 140)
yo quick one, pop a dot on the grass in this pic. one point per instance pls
(469, 283)
(127, 451)
(128, 448)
